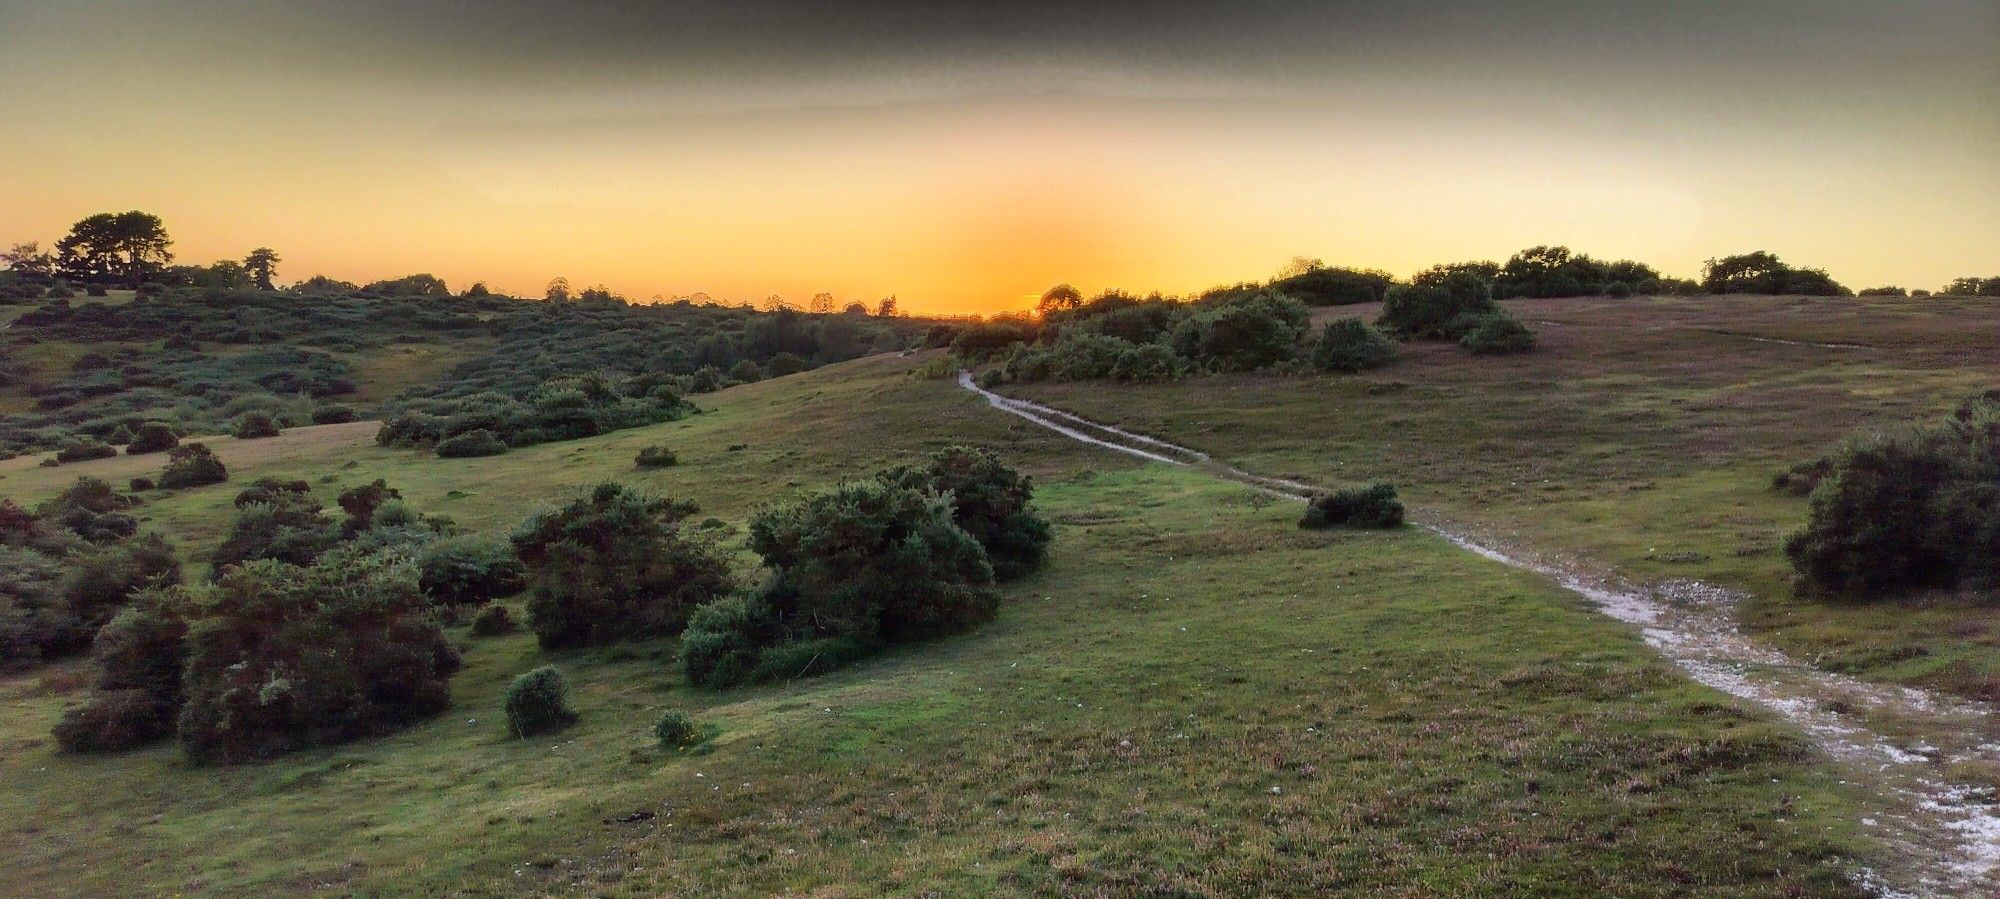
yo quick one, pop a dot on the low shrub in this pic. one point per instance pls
(469, 571)
(1803, 478)
(333, 414)
(192, 465)
(270, 490)
(152, 437)
(616, 564)
(1349, 345)
(84, 449)
(1147, 362)
(1242, 334)
(139, 658)
(1497, 333)
(115, 721)
(471, 444)
(990, 378)
(677, 730)
(656, 457)
(281, 657)
(538, 703)
(1375, 506)
(254, 425)
(281, 525)
(1618, 290)
(493, 621)
(1916, 508)
(990, 500)
(1426, 310)
(142, 484)
(91, 509)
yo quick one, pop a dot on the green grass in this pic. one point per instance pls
(1194, 697)
(1640, 436)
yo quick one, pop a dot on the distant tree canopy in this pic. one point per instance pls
(419, 285)
(1060, 298)
(1322, 286)
(1762, 272)
(1557, 272)
(1973, 287)
(115, 247)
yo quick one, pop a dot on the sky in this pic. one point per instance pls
(966, 155)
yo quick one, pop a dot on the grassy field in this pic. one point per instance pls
(1193, 698)
(1641, 437)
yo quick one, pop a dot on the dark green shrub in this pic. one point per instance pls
(470, 571)
(192, 465)
(1349, 345)
(84, 449)
(471, 444)
(1917, 508)
(1803, 478)
(677, 730)
(152, 437)
(285, 526)
(91, 509)
(269, 490)
(254, 425)
(333, 414)
(656, 457)
(97, 583)
(1618, 290)
(616, 564)
(1147, 362)
(726, 638)
(538, 703)
(990, 501)
(142, 484)
(1243, 334)
(361, 501)
(990, 378)
(1426, 310)
(746, 371)
(1375, 506)
(1335, 286)
(139, 658)
(1496, 333)
(493, 621)
(115, 721)
(410, 429)
(281, 657)
(1764, 273)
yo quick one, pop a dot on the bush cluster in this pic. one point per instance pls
(616, 564)
(1374, 506)
(656, 457)
(1913, 508)
(192, 465)
(471, 444)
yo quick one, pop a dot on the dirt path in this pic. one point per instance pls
(1898, 745)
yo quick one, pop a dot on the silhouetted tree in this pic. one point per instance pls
(558, 290)
(262, 266)
(28, 260)
(1060, 298)
(886, 308)
(821, 303)
(115, 246)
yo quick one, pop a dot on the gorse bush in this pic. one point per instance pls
(281, 657)
(270, 490)
(192, 465)
(334, 414)
(470, 571)
(855, 567)
(471, 444)
(676, 730)
(84, 450)
(139, 658)
(538, 703)
(152, 437)
(1427, 310)
(1349, 345)
(254, 425)
(1375, 506)
(1496, 332)
(989, 500)
(1913, 508)
(1764, 273)
(616, 564)
(493, 621)
(656, 457)
(1242, 334)
(1803, 478)
(90, 509)
(279, 525)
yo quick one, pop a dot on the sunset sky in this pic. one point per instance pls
(965, 155)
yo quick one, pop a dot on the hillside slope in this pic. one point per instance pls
(1194, 697)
